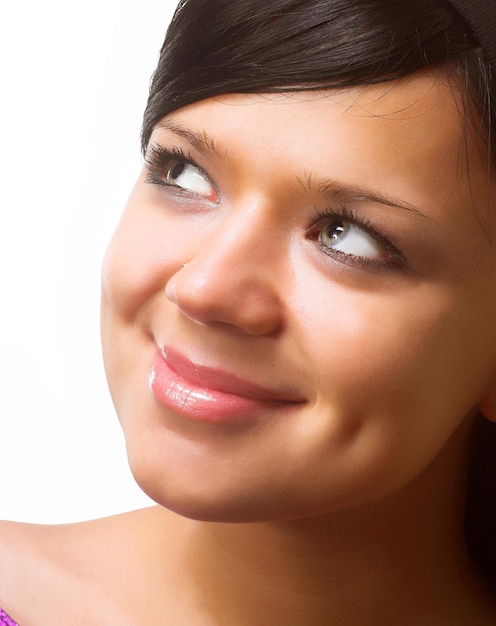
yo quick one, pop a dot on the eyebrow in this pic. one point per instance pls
(341, 192)
(201, 141)
(328, 188)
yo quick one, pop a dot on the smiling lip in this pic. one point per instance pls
(208, 394)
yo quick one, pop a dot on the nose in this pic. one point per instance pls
(233, 278)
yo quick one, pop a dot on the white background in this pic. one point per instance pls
(74, 80)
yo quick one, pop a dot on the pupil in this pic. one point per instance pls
(336, 230)
(176, 171)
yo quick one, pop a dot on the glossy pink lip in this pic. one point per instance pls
(209, 394)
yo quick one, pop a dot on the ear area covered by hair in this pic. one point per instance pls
(480, 15)
(488, 404)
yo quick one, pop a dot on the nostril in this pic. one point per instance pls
(170, 290)
(232, 295)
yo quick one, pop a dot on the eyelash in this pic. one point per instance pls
(394, 259)
(159, 158)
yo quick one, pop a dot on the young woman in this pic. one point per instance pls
(298, 322)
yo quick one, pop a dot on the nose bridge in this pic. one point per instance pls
(246, 233)
(230, 276)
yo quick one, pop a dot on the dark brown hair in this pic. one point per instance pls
(221, 46)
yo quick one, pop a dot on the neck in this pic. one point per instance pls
(397, 560)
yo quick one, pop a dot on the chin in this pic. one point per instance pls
(209, 498)
(213, 500)
(205, 502)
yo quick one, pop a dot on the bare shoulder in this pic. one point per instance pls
(23, 542)
(51, 570)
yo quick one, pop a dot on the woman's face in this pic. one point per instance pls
(299, 300)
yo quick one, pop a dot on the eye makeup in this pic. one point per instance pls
(345, 223)
(166, 165)
(340, 233)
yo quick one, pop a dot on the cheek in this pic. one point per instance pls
(135, 267)
(142, 255)
(385, 363)
(384, 402)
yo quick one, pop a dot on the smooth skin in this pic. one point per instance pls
(337, 250)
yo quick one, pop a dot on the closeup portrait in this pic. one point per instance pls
(248, 333)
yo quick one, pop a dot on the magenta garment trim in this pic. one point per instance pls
(5, 620)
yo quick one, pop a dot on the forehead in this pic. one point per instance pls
(423, 101)
(408, 135)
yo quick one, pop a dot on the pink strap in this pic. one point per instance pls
(5, 620)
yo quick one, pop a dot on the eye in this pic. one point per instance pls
(349, 239)
(173, 169)
(346, 236)
(189, 177)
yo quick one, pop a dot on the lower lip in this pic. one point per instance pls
(201, 403)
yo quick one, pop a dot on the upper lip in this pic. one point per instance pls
(226, 382)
